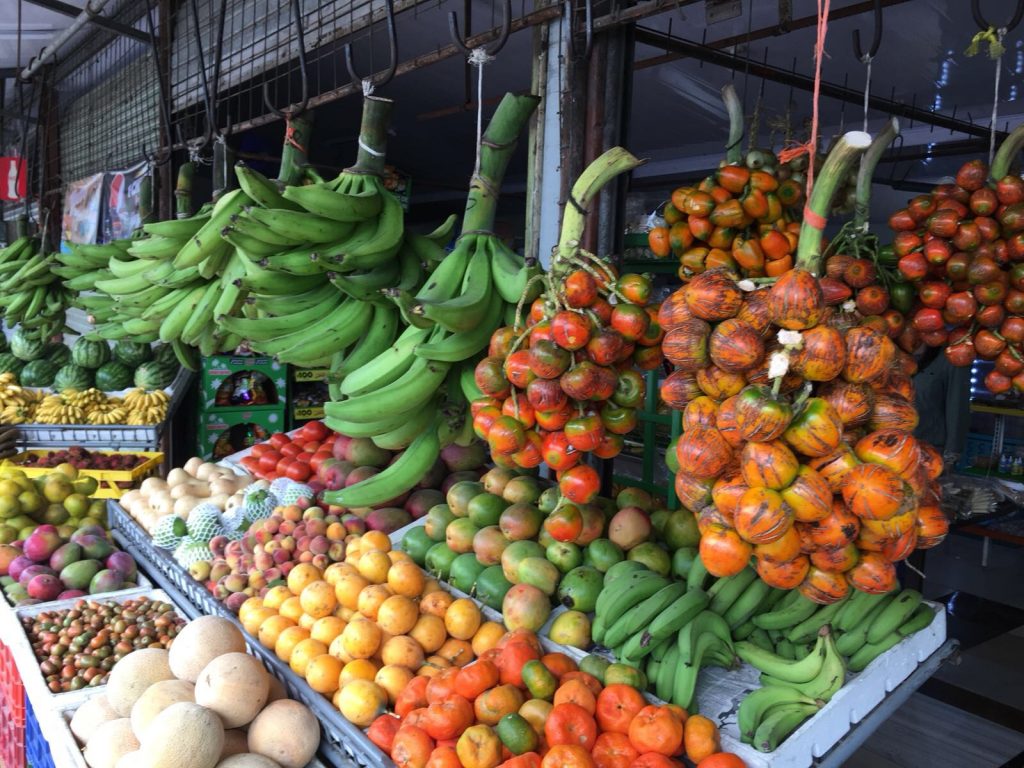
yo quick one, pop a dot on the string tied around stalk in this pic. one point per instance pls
(810, 148)
(993, 38)
(479, 58)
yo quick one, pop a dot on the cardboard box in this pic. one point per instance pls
(222, 374)
(225, 431)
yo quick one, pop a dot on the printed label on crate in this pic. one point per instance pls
(315, 412)
(310, 374)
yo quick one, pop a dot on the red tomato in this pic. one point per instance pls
(279, 439)
(269, 460)
(318, 458)
(312, 446)
(259, 449)
(315, 430)
(298, 472)
(304, 457)
(291, 449)
(251, 464)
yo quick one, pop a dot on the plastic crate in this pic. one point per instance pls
(12, 692)
(107, 478)
(12, 739)
(37, 748)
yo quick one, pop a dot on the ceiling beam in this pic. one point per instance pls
(66, 9)
(802, 82)
(772, 31)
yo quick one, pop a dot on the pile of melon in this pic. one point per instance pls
(205, 703)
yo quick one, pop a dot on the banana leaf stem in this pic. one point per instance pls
(373, 136)
(868, 163)
(1007, 153)
(734, 108)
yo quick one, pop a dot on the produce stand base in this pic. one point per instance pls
(12, 739)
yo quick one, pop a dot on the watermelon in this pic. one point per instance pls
(4, 345)
(73, 376)
(89, 354)
(132, 353)
(58, 355)
(38, 373)
(113, 376)
(155, 375)
(11, 364)
(26, 348)
(165, 354)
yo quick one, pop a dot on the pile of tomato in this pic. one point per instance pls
(296, 456)
(569, 382)
(518, 707)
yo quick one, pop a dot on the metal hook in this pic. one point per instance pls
(381, 78)
(588, 11)
(293, 110)
(165, 111)
(876, 40)
(499, 42)
(983, 24)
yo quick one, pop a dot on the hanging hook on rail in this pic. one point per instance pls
(588, 10)
(984, 24)
(293, 110)
(497, 44)
(876, 40)
(371, 83)
(163, 155)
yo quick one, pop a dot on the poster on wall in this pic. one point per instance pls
(121, 209)
(82, 210)
(13, 178)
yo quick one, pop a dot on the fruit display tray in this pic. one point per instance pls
(141, 582)
(107, 478)
(719, 692)
(118, 436)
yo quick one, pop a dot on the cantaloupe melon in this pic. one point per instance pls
(277, 691)
(90, 716)
(157, 698)
(200, 642)
(133, 674)
(184, 735)
(235, 686)
(109, 742)
(247, 760)
(236, 742)
(286, 732)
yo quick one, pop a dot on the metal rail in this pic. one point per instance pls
(100, 21)
(88, 14)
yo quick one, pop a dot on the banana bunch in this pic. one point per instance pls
(56, 409)
(31, 294)
(107, 414)
(142, 407)
(90, 406)
(17, 403)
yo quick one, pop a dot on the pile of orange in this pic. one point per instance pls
(360, 631)
(517, 707)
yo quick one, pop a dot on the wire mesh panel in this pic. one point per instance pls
(108, 100)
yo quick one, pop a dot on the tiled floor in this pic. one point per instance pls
(971, 714)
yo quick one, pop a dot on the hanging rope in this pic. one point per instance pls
(479, 57)
(867, 88)
(811, 147)
(993, 38)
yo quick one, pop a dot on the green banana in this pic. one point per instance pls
(676, 616)
(250, 227)
(830, 677)
(378, 338)
(727, 591)
(267, 329)
(631, 590)
(854, 609)
(871, 651)
(746, 605)
(156, 247)
(706, 632)
(325, 201)
(172, 325)
(204, 242)
(698, 575)
(759, 637)
(250, 246)
(386, 367)
(267, 283)
(666, 673)
(850, 642)
(383, 242)
(177, 229)
(299, 226)
(895, 613)
(921, 619)
(759, 702)
(402, 436)
(781, 668)
(397, 478)
(367, 286)
(465, 311)
(787, 613)
(779, 723)
(806, 630)
(513, 277)
(319, 343)
(409, 391)
(260, 189)
(634, 620)
(456, 347)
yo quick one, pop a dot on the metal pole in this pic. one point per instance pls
(91, 9)
(100, 21)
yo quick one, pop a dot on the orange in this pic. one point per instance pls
(436, 603)
(399, 557)
(374, 565)
(462, 619)
(361, 702)
(303, 653)
(306, 621)
(402, 650)
(275, 596)
(456, 651)
(318, 600)
(271, 629)
(536, 712)
(255, 619)
(301, 575)
(487, 637)
(393, 678)
(336, 570)
(347, 588)
(479, 747)
(370, 599)
(291, 609)
(327, 628)
(250, 605)
(700, 737)
(323, 674)
(287, 641)
(429, 632)
(576, 692)
(493, 704)
(656, 729)
(375, 540)
(722, 760)
(411, 747)
(397, 615)
(405, 578)
(361, 638)
(433, 666)
(567, 756)
(337, 649)
(432, 585)
(357, 669)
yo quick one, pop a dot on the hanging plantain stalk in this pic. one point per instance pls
(373, 136)
(868, 163)
(734, 149)
(849, 147)
(1007, 153)
(295, 152)
(183, 190)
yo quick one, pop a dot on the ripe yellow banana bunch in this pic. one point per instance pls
(86, 398)
(55, 409)
(141, 399)
(108, 414)
(12, 394)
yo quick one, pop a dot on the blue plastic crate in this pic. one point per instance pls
(37, 750)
